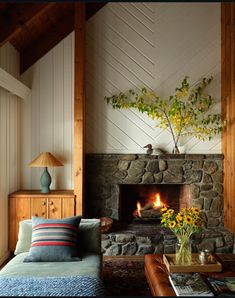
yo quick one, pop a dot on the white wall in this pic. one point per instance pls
(9, 143)
(47, 116)
(130, 45)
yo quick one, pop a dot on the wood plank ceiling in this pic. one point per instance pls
(35, 28)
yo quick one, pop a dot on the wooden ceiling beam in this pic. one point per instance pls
(45, 43)
(14, 86)
(54, 35)
(13, 17)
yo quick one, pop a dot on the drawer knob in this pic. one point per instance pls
(36, 214)
(43, 203)
(51, 202)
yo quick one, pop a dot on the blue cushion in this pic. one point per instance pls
(54, 240)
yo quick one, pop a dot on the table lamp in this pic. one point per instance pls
(44, 160)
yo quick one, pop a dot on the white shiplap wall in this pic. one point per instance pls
(127, 45)
(9, 143)
(153, 44)
(47, 116)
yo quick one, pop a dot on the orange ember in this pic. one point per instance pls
(157, 202)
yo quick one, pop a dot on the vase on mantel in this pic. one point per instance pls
(183, 251)
(178, 149)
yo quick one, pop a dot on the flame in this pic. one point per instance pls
(157, 202)
(138, 209)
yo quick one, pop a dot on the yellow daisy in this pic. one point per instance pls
(179, 217)
(188, 219)
(180, 225)
(170, 211)
(172, 224)
(164, 209)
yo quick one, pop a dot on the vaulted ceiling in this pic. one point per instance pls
(34, 28)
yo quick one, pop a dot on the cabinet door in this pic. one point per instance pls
(39, 207)
(54, 208)
(68, 207)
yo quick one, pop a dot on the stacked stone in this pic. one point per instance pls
(113, 244)
(204, 174)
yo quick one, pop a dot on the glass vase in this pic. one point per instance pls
(183, 251)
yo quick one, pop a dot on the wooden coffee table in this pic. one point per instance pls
(157, 274)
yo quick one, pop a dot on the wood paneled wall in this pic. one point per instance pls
(228, 109)
(9, 143)
(47, 116)
(152, 44)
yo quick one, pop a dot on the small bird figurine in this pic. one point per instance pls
(153, 151)
(150, 149)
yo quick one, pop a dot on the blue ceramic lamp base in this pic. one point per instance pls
(45, 181)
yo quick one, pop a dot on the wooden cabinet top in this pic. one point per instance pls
(37, 193)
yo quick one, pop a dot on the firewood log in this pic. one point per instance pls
(148, 206)
(150, 213)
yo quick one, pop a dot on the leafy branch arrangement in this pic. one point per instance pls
(186, 113)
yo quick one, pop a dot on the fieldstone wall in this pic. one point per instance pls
(203, 174)
(129, 243)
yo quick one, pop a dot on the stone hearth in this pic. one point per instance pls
(203, 174)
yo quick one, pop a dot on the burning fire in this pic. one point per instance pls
(157, 202)
(138, 209)
(154, 203)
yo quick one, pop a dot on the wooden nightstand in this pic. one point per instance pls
(24, 204)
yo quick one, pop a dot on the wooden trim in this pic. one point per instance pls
(79, 105)
(18, 16)
(37, 193)
(228, 109)
(43, 44)
(13, 85)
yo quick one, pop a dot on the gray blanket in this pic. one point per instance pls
(51, 286)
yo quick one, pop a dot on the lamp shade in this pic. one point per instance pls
(45, 159)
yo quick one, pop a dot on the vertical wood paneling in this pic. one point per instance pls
(47, 116)
(68, 116)
(130, 45)
(9, 140)
(58, 113)
(228, 110)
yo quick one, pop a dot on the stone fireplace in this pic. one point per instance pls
(114, 183)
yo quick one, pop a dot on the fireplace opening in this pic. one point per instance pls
(142, 203)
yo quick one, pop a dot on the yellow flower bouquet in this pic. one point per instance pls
(183, 224)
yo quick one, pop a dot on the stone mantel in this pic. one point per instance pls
(135, 156)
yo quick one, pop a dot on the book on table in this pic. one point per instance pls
(189, 284)
(223, 286)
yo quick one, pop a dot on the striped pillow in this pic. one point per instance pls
(54, 240)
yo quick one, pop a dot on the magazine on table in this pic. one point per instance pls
(189, 284)
(224, 286)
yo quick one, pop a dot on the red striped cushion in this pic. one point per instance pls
(54, 234)
(54, 239)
